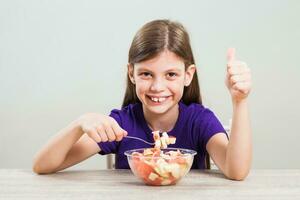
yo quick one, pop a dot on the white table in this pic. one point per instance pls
(122, 184)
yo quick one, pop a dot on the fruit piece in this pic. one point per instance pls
(136, 157)
(147, 152)
(156, 182)
(156, 135)
(156, 152)
(183, 170)
(152, 176)
(165, 137)
(163, 142)
(143, 169)
(157, 144)
(174, 168)
(160, 168)
(172, 140)
(166, 182)
(188, 158)
(166, 156)
(178, 160)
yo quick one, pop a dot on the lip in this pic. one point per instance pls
(155, 96)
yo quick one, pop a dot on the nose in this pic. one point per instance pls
(157, 85)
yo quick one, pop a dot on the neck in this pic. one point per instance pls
(164, 122)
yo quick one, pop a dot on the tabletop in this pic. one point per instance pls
(122, 184)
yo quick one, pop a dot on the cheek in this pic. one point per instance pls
(177, 87)
(141, 86)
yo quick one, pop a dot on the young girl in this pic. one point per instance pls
(162, 94)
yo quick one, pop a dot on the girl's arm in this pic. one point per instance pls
(234, 157)
(55, 152)
(71, 146)
(239, 150)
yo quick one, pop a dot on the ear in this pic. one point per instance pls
(189, 74)
(130, 72)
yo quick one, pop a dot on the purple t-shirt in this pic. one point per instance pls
(194, 127)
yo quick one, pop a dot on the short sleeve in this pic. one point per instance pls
(110, 147)
(210, 125)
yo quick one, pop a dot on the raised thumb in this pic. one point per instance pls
(230, 54)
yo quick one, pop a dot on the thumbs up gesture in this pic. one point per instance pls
(238, 77)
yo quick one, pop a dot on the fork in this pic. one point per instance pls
(136, 138)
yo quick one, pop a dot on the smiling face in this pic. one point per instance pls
(160, 81)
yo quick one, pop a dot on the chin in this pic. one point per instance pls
(160, 109)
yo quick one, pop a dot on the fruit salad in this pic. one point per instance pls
(160, 166)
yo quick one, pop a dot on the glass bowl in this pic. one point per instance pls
(160, 166)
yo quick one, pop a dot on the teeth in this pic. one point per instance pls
(162, 99)
(158, 99)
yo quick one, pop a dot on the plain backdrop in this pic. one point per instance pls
(62, 58)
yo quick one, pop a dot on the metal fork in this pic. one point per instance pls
(136, 138)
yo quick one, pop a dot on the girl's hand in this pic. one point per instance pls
(101, 128)
(238, 77)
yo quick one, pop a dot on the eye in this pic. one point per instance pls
(145, 74)
(172, 74)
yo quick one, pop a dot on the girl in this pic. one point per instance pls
(162, 94)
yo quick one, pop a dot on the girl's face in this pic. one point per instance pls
(160, 81)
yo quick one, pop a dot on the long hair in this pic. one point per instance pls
(152, 39)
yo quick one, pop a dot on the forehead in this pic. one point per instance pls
(166, 60)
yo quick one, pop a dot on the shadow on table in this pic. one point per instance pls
(212, 173)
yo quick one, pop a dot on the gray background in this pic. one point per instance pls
(60, 59)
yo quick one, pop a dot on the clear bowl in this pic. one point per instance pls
(164, 167)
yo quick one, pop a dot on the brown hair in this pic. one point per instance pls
(152, 39)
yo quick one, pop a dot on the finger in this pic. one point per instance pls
(119, 132)
(102, 133)
(240, 78)
(230, 54)
(243, 87)
(117, 127)
(110, 133)
(92, 133)
(238, 68)
(237, 63)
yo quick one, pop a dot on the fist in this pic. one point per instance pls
(238, 77)
(101, 128)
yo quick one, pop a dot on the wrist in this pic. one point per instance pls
(239, 102)
(76, 127)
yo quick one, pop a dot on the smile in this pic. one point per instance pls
(158, 99)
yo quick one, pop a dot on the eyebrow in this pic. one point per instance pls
(168, 70)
